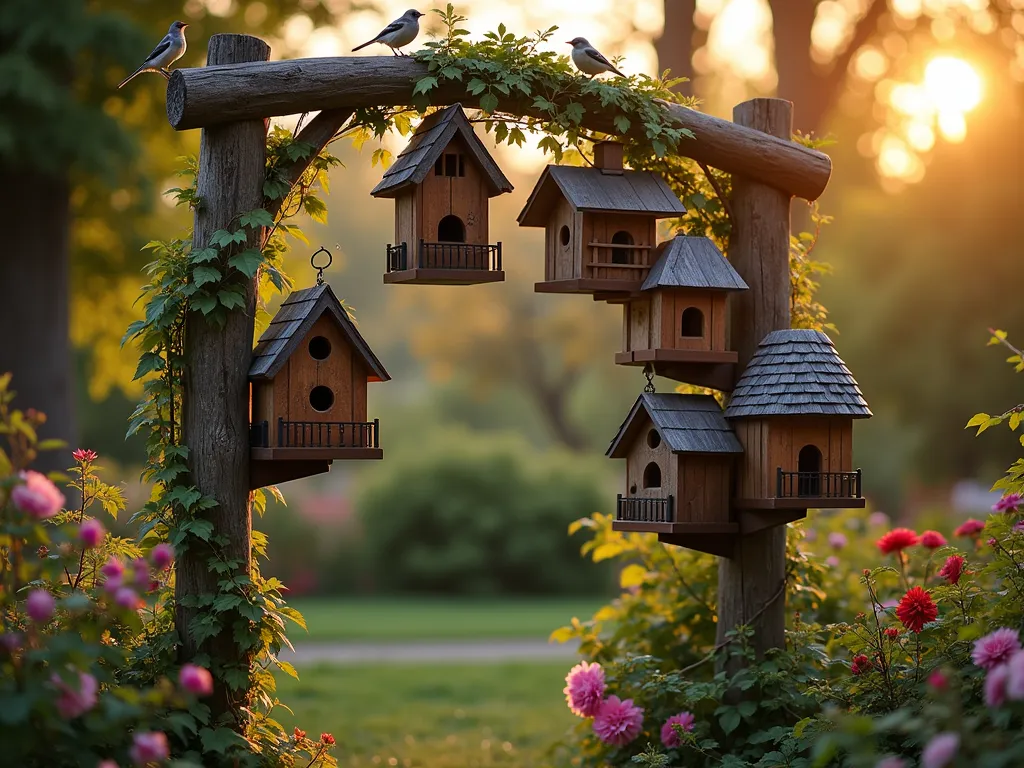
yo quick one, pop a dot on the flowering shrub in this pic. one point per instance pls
(905, 651)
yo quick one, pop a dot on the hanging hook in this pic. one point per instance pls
(649, 375)
(320, 270)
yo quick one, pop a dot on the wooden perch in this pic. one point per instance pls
(211, 95)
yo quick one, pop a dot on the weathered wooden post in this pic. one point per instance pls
(215, 418)
(751, 585)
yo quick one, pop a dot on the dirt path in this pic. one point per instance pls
(443, 651)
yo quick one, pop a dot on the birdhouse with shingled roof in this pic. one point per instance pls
(308, 382)
(677, 323)
(442, 183)
(600, 223)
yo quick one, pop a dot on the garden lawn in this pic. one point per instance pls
(411, 619)
(437, 716)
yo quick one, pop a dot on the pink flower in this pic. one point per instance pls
(113, 569)
(107, 764)
(91, 533)
(1018, 527)
(126, 597)
(1015, 682)
(811, 535)
(995, 686)
(72, 703)
(952, 569)
(891, 762)
(39, 606)
(84, 456)
(584, 687)
(837, 540)
(196, 679)
(140, 568)
(940, 751)
(995, 648)
(832, 561)
(11, 641)
(1008, 503)
(149, 747)
(37, 496)
(618, 722)
(938, 681)
(669, 737)
(932, 540)
(162, 556)
(969, 528)
(896, 540)
(878, 519)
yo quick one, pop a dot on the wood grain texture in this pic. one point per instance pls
(749, 583)
(204, 96)
(215, 414)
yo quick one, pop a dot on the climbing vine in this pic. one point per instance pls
(505, 72)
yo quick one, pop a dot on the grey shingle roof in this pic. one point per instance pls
(429, 141)
(796, 372)
(692, 262)
(590, 189)
(687, 424)
(294, 320)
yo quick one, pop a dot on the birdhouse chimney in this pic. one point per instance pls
(608, 157)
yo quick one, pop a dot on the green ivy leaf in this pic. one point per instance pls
(622, 123)
(424, 85)
(257, 218)
(204, 302)
(231, 298)
(247, 262)
(148, 363)
(202, 275)
(488, 103)
(203, 255)
(220, 740)
(729, 720)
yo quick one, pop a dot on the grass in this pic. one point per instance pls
(401, 620)
(432, 716)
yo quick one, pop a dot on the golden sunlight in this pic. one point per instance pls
(952, 84)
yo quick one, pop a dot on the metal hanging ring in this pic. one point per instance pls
(320, 270)
(649, 375)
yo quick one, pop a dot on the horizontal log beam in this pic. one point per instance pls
(205, 96)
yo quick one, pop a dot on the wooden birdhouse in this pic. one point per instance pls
(441, 183)
(680, 454)
(308, 376)
(793, 410)
(677, 322)
(600, 223)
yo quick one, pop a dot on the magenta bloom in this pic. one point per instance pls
(832, 561)
(162, 556)
(878, 519)
(969, 528)
(995, 686)
(995, 648)
(938, 680)
(39, 606)
(669, 737)
(584, 688)
(1015, 680)
(140, 568)
(91, 533)
(940, 751)
(84, 455)
(37, 496)
(113, 569)
(72, 703)
(932, 540)
(618, 722)
(126, 597)
(837, 540)
(11, 641)
(196, 679)
(149, 747)
(1008, 503)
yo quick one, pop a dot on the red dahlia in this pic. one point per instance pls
(952, 569)
(897, 540)
(916, 609)
(932, 540)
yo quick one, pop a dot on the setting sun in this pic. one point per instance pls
(952, 84)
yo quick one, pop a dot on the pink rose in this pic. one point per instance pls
(940, 751)
(196, 679)
(39, 606)
(162, 556)
(37, 496)
(72, 703)
(149, 747)
(91, 533)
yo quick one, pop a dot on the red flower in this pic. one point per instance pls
(897, 540)
(299, 734)
(916, 609)
(327, 739)
(84, 455)
(952, 569)
(970, 528)
(892, 633)
(860, 664)
(932, 540)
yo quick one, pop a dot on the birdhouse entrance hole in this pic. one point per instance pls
(564, 236)
(450, 229)
(809, 467)
(653, 439)
(319, 348)
(692, 323)
(321, 398)
(652, 476)
(621, 255)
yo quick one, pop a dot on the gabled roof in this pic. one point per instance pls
(692, 262)
(293, 322)
(591, 189)
(431, 138)
(687, 424)
(795, 373)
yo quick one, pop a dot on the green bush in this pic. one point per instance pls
(479, 516)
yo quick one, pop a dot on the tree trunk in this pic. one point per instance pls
(676, 45)
(751, 584)
(232, 160)
(799, 81)
(34, 313)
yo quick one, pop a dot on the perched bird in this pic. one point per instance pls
(588, 59)
(167, 51)
(399, 32)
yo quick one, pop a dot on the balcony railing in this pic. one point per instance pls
(445, 256)
(635, 509)
(820, 485)
(317, 434)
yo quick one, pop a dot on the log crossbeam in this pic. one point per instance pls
(201, 97)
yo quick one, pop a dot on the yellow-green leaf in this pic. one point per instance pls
(561, 635)
(607, 550)
(977, 420)
(1015, 420)
(632, 576)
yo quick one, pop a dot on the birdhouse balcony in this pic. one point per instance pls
(824, 489)
(316, 440)
(444, 263)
